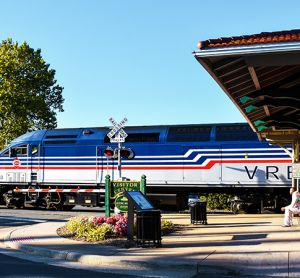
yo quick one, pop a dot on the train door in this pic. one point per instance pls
(202, 165)
(103, 165)
(34, 163)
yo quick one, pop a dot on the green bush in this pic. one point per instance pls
(78, 227)
(218, 201)
(167, 227)
(90, 230)
(73, 225)
(98, 233)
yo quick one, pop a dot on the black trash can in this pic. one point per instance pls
(198, 212)
(148, 226)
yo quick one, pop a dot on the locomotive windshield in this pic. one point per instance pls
(19, 151)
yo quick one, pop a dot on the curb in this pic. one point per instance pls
(258, 264)
(199, 268)
(98, 260)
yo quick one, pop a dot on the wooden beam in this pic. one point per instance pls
(254, 78)
(225, 63)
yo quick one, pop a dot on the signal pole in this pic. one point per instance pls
(118, 135)
(119, 157)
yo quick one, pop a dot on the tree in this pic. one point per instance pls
(29, 95)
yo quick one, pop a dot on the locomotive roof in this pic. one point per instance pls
(148, 126)
(151, 132)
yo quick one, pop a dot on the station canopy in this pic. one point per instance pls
(260, 73)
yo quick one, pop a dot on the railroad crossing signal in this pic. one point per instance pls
(127, 153)
(109, 152)
(118, 135)
(117, 131)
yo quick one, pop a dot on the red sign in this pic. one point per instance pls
(16, 162)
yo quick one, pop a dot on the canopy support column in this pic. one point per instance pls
(295, 181)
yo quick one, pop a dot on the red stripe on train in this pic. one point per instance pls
(209, 165)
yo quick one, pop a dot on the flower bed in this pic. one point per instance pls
(97, 229)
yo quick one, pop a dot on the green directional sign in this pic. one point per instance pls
(114, 192)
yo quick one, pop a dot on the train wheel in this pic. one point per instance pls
(66, 207)
(11, 202)
(19, 203)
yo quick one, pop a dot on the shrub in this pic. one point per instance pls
(97, 228)
(101, 232)
(101, 228)
(73, 225)
(218, 201)
(167, 227)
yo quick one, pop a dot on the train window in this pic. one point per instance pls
(34, 150)
(143, 137)
(18, 151)
(189, 133)
(138, 137)
(235, 133)
(60, 142)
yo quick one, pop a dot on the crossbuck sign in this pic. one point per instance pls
(117, 133)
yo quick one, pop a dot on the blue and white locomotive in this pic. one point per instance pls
(61, 168)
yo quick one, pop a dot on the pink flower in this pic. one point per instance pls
(99, 220)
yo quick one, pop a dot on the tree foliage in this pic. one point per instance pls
(29, 95)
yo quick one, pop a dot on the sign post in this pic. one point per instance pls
(118, 135)
(114, 192)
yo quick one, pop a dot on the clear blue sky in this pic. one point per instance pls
(134, 58)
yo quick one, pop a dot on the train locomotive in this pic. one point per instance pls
(61, 168)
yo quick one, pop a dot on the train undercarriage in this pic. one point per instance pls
(239, 200)
(249, 200)
(50, 198)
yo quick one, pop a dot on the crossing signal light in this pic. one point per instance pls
(109, 152)
(127, 153)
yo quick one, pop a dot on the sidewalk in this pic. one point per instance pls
(236, 245)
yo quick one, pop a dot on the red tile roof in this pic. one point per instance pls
(262, 38)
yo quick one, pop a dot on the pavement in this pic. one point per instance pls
(243, 245)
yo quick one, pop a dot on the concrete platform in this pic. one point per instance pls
(229, 246)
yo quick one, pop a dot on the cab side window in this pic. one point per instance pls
(19, 151)
(34, 150)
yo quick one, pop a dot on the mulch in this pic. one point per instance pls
(118, 242)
